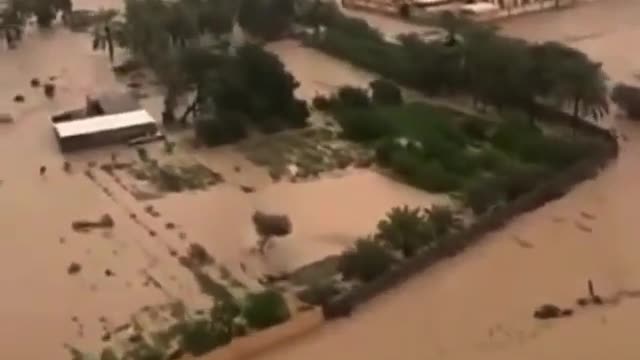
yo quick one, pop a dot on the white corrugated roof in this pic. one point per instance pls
(103, 123)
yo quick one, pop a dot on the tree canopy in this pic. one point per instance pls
(473, 60)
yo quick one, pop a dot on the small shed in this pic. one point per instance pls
(104, 129)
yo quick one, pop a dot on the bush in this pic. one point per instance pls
(224, 311)
(518, 179)
(385, 92)
(227, 128)
(271, 225)
(321, 103)
(442, 219)
(627, 97)
(483, 193)
(298, 114)
(366, 261)
(363, 126)
(319, 293)
(432, 176)
(265, 309)
(201, 336)
(476, 128)
(353, 97)
(384, 149)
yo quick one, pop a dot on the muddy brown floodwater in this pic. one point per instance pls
(476, 306)
(479, 305)
(44, 307)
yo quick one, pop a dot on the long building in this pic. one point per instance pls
(103, 130)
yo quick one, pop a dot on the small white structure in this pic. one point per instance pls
(480, 8)
(105, 129)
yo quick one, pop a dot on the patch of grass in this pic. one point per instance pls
(312, 151)
(176, 178)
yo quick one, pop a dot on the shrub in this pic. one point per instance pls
(321, 102)
(476, 128)
(518, 179)
(483, 193)
(363, 126)
(227, 128)
(385, 92)
(265, 309)
(404, 230)
(442, 219)
(201, 336)
(271, 225)
(627, 97)
(319, 293)
(224, 311)
(298, 114)
(432, 176)
(384, 149)
(350, 96)
(366, 261)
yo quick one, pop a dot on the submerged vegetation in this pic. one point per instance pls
(484, 162)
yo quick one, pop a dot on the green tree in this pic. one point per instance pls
(404, 229)
(265, 309)
(267, 19)
(366, 261)
(384, 92)
(568, 77)
(443, 219)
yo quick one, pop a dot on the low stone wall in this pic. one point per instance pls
(556, 187)
(269, 339)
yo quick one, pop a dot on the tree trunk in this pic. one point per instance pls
(168, 114)
(109, 38)
(576, 108)
(190, 109)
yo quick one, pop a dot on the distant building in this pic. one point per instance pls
(105, 129)
(107, 118)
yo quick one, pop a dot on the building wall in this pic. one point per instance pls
(119, 136)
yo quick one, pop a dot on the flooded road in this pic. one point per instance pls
(479, 305)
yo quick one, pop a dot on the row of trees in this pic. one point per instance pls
(472, 60)
(182, 43)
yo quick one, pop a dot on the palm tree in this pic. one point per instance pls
(404, 229)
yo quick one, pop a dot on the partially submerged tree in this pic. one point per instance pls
(627, 97)
(269, 226)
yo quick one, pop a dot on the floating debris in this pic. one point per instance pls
(583, 227)
(74, 268)
(19, 98)
(6, 118)
(547, 311)
(35, 82)
(106, 221)
(109, 273)
(247, 189)
(587, 215)
(170, 225)
(49, 90)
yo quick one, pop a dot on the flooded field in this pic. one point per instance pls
(476, 306)
(480, 304)
(67, 287)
